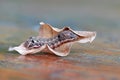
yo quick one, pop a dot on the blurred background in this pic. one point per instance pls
(77, 13)
(95, 15)
(19, 19)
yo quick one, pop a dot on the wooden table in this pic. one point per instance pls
(99, 60)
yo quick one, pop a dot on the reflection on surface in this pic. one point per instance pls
(48, 66)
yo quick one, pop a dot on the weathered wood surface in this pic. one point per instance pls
(99, 60)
